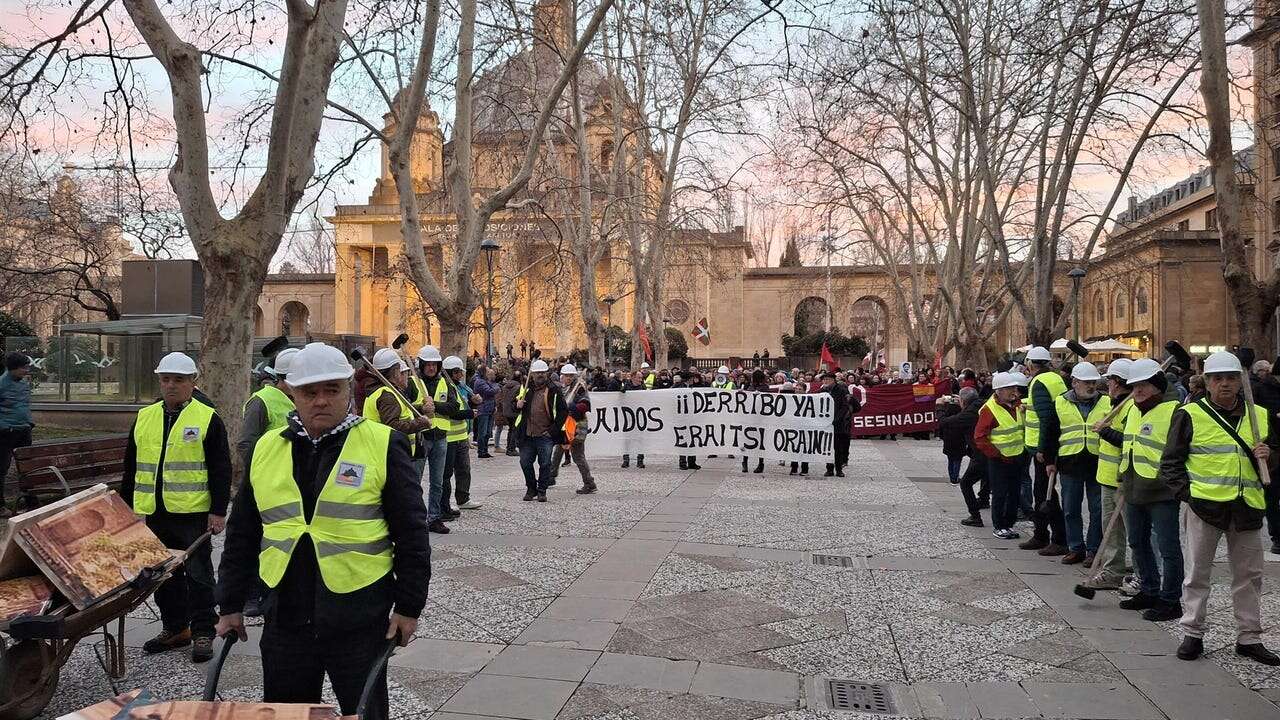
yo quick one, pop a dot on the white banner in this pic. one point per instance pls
(702, 421)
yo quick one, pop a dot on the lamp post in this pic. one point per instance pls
(489, 246)
(1077, 277)
(608, 301)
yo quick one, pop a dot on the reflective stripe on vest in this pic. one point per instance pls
(458, 428)
(278, 405)
(371, 411)
(1109, 455)
(347, 529)
(1052, 382)
(1007, 434)
(1076, 433)
(1144, 438)
(438, 421)
(185, 479)
(1219, 469)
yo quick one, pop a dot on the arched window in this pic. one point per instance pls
(1141, 303)
(1099, 307)
(811, 316)
(1121, 305)
(294, 318)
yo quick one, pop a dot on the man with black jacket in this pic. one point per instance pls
(331, 519)
(840, 421)
(578, 401)
(539, 427)
(1266, 393)
(957, 444)
(177, 473)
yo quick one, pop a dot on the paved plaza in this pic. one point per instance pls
(713, 595)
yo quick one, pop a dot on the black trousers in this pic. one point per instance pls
(975, 474)
(186, 598)
(1049, 523)
(11, 439)
(842, 449)
(1006, 487)
(1272, 493)
(457, 464)
(295, 660)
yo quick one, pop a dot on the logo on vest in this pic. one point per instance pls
(1145, 429)
(350, 474)
(190, 434)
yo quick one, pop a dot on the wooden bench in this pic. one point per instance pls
(67, 466)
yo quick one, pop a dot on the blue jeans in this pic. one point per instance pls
(484, 430)
(1164, 580)
(437, 449)
(1026, 494)
(1076, 489)
(539, 447)
(953, 468)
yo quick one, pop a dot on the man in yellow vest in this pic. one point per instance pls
(1049, 538)
(1070, 448)
(1113, 569)
(331, 519)
(457, 463)
(267, 408)
(384, 406)
(1151, 509)
(177, 473)
(998, 435)
(1211, 462)
(432, 383)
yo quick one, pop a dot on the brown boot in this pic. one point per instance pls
(1052, 550)
(167, 640)
(1072, 558)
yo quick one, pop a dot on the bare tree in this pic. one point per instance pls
(311, 249)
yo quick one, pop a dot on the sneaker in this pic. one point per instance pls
(202, 648)
(1072, 558)
(1013, 534)
(167, 640)
(1034, 543)
(1258, 653)
(1163, 612)
(1105, 581)
(839, 472)
(1052, 550)
(972, 521)
(1190, 648)
(586, 489)
(1130, 586)
(1141, 601)
(1005, 534)
(485, 456)
(470, 505)
(759, 468)
(529, 495)
(438, 527)
(542, 497)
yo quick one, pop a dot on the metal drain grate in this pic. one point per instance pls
(860, 697)
(835, 560)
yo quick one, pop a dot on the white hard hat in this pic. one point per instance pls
(317, 363)
(1222, 362)
(1003, 380)
(568, 369)
(429, 353)
(1038, 353)
(644, 366)
(1019, 379)
(1146, 368)
(176, 363)
(723, 370)
(1085, 371)
(385, 359)
(1119, 368)
(283, 361)
(538, 366)
(403, 366)
(453, 362)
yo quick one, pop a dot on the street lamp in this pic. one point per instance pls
(1077, 276)
(608, 301)
(489, 246)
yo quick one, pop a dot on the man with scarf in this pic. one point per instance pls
(539, 427)
(578, 401)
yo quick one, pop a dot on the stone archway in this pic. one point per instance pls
(295, 318)
(812, 315)
(869, 318)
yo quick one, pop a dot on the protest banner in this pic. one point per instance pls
(702, 421)
(897, 408)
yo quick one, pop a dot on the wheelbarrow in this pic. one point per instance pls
(29, 666)
(214, 673)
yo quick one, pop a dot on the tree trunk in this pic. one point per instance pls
(455, 329)
(971, 354)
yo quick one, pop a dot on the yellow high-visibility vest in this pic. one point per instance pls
(1219, 469)
(277, 403)
(348, 530)
(1007, 434)
(438, 421)
(371, 411)
(1145, 435)
(1076, 433)
(185, 476)
(1054, 383)
(1109, 455)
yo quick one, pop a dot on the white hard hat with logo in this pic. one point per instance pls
(1085, 371)
(1222, 362)
(283, 361)
(1038, 353)
(453, 362)
(317, 363)
(538, 366)
(176, 363)
(1145, 369)
(1119, 368)
(429, 353)
(1002, 380)
(723, 369)
(385, 359)
(644, 366)
(568, 369)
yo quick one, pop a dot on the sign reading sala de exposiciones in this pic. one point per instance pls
(702, 421)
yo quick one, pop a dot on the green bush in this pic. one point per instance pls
(840, 345)
(11, 326)
(677, 346)
(619, 345)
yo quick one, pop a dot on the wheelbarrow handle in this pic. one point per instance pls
(215, 668)
(379, 664)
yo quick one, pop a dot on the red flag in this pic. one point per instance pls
(937, 362)
(702, 332)
(644, 341)
(827, 358)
